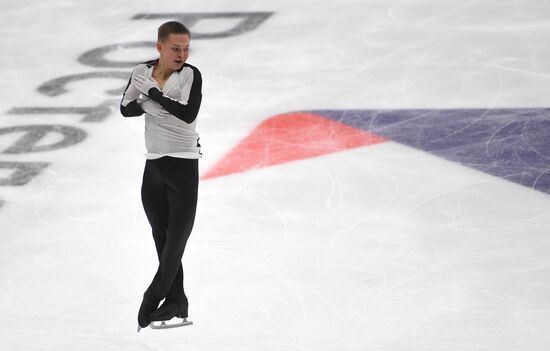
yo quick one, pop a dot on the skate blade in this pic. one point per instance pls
(164, 325)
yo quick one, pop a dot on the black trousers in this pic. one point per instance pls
(169, 196)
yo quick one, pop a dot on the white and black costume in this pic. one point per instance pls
(170, 178)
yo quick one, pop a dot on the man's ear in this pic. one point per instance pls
(159, 46)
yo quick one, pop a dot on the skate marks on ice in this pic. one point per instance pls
(289, 137)
(351, 273)
(508, 143)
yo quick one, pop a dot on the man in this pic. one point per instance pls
(168, 91)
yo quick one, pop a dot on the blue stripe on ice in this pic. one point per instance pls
(513, 144)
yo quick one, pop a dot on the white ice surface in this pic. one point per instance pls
(377, 248)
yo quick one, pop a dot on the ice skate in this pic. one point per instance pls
(148, 305)
(170, 315)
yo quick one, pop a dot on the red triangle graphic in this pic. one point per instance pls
(289, 137)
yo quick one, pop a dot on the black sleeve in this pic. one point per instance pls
(187, 113)
(132, 109)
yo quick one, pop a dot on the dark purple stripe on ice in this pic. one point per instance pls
(513, 144)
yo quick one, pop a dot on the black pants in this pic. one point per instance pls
(169, 196)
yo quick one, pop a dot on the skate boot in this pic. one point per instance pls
(167, 312)
(148, 305)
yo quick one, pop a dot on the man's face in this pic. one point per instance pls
(174, 51)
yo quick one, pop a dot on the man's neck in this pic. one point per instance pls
(163, 72)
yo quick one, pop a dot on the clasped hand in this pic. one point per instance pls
(144, 83)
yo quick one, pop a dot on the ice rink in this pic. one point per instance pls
(376, 176)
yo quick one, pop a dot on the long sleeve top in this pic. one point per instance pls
(170, 113)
